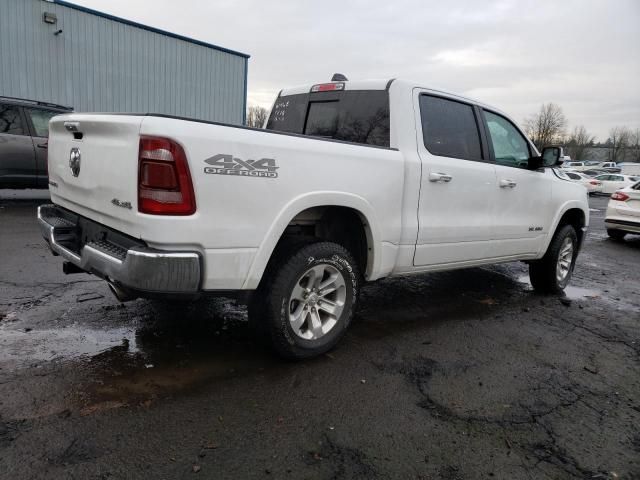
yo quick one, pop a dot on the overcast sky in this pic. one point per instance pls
(581, 54)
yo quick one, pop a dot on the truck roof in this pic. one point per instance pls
(382, 84)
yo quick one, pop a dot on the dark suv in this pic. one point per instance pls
(24, 129)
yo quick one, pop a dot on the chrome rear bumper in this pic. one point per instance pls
(136, 267)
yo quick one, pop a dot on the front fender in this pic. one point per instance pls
(304, 202)
(566, 206)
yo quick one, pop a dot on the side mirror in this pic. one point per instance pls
(551, 156)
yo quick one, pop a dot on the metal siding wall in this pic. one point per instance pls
(98, 64)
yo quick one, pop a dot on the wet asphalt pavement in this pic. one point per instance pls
(457, 375)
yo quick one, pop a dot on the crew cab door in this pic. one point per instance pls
(458, 184)
(523, 202)
(17, 158)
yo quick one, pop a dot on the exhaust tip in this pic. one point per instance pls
(122, 294)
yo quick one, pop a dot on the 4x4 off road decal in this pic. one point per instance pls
(223, 164)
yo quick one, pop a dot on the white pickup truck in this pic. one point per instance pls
(348, 182)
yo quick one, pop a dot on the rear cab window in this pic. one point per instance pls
(356, 116)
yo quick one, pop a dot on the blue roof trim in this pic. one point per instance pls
(146, 27)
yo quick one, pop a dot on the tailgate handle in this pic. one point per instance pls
(74, 127)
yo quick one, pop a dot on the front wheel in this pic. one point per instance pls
(306, 300)
(551, 274)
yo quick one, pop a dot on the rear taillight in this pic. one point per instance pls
(620, 197)
(164, 183)
(594, 182)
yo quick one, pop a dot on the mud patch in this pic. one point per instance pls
(346, 462)
(79, 450)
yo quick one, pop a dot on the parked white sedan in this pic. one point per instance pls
(615, 181)
(592, 185)
(623, 212)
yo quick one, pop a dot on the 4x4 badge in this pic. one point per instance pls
(226, 164)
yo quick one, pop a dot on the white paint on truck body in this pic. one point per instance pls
(413, 224)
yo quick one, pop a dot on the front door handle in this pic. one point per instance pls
(43, 145)
(506, 183)
(440, 177)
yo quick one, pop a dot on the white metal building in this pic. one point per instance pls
(59, 52)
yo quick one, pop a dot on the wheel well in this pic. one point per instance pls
(342, 225)
(575, 218)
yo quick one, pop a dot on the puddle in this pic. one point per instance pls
(576, 293)
(106, 357)
(570, 292)
(18, 347)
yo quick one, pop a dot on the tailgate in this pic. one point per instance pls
(93, 167)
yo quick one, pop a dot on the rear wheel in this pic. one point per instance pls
(306, 300)
(616, 234)
(551, 274)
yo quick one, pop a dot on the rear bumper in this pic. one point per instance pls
(631, 226)
(108, 254)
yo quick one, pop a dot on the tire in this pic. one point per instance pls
(616, 234)
(289, 310)
(546, 275)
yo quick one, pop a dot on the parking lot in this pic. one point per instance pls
(457, 375)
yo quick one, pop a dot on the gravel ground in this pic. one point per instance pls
(457, 375)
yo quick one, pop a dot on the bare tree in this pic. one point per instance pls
(579, 141)
(256, 116)
(634, 143)
(620, 138)
(547, 126)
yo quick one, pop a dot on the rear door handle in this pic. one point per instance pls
(440, 177)
(506, 183)
(43, 145)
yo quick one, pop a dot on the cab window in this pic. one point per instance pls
(510, 148)
(449, 128)
(357, 116)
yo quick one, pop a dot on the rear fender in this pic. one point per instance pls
(304, 202)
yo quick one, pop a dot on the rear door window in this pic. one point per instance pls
(11, 120)
(449, 128)
(357, 116)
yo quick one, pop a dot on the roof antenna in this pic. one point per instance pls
(338, 77)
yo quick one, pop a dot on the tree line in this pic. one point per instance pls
(549, 127)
